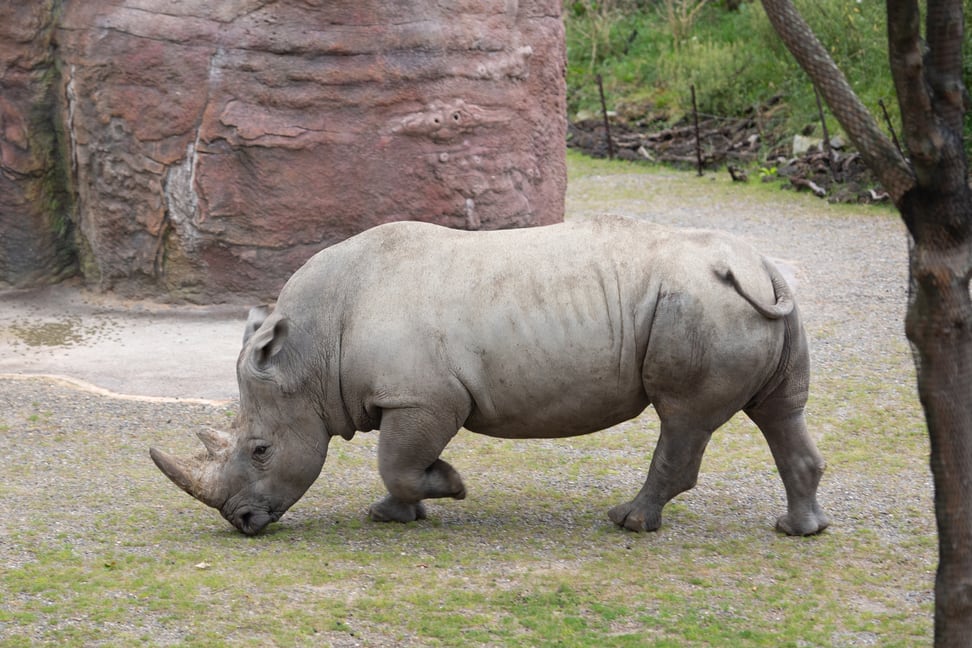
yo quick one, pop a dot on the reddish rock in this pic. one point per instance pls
(34, 224)
(215, 146)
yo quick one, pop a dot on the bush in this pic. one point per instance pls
(734, 58)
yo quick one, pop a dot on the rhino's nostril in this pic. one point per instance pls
(252, 522)
(241, 520)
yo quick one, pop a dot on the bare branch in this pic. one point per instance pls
(914, 97)
(928, 80)
(877, 150)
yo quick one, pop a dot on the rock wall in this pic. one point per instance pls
(35, 231)
(213, 147)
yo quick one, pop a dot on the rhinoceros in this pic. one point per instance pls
(419, 330)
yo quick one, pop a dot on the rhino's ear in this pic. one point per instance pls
(276, 353)
(254, 320)
(267, 342)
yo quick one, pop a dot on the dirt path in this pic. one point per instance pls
(113, 346)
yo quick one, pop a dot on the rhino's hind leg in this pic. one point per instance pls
(674, 469)
(408, 461)
(800, 464)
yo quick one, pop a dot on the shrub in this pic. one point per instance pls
(649, 60)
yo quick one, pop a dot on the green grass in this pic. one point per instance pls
(683, 191)
(734, 59)
(441, 586)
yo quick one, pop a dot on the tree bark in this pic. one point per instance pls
(930, 94)
(931, 191)
(939, 326)
(938, 213)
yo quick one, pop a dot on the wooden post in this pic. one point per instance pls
(698, 138)
(826, 136)
(607, 125)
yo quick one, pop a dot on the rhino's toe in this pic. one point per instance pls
(802, 525)
(630, 516)
(391, 509)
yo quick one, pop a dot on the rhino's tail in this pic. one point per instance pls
(784, 296)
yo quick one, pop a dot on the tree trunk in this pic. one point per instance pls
(932, 193)
(939, 326)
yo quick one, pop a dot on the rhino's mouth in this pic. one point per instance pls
(252, 521)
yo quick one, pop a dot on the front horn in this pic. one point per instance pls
(195, 477)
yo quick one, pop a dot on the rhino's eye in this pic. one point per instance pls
(261, 452)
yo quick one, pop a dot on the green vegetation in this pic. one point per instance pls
(650, 53)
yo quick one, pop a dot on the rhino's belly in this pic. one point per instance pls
(559, 375)
(571, 413)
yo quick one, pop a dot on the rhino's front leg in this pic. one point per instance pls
(408, 461)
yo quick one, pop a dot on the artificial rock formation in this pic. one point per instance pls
(213, 147)
(35, 230)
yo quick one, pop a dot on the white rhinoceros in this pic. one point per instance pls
(419, 330)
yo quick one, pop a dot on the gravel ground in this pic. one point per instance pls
(849, 265)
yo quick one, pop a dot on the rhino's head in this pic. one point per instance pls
(278, 443)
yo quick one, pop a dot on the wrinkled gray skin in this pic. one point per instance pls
(418, 330)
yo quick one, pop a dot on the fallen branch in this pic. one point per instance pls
(737, 174)
(876, 196)
(803, 183)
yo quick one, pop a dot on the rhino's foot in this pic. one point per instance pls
(634, 517)
(803, 524)
(391, 509)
